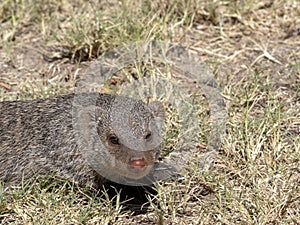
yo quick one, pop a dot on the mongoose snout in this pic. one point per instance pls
(138, 163)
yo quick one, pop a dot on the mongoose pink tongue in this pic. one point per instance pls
(138, 164)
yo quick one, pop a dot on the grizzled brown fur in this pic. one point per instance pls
(44, 137)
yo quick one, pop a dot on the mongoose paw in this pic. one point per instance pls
(163, 171)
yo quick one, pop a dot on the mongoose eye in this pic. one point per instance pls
(113, 139)
(148, 136)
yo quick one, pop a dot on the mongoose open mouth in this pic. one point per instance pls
(138, 164)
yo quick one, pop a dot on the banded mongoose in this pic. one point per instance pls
(87, 138)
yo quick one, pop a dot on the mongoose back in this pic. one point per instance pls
(87, 138)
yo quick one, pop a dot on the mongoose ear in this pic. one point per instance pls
(157, 109)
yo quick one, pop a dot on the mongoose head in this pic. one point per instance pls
(133, 136)
(128, 137)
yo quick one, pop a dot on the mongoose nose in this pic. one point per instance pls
(138, 163)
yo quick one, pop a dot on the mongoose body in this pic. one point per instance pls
(87, 138)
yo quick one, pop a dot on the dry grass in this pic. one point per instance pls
(253, 48)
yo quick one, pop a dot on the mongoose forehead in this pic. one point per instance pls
(81, 137)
